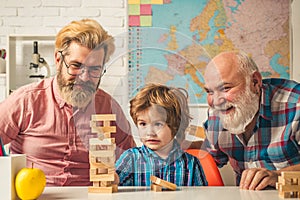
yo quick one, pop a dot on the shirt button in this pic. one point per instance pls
(70, 142)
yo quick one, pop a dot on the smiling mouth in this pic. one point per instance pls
(227, 110)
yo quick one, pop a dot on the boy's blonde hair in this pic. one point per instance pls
(173, 100)
(88, 33)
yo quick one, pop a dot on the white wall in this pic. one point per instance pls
(47, 17)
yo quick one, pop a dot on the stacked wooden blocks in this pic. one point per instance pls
(102, 155)
(289, 184)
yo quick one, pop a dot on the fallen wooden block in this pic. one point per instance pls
(156, 188)
(163, 183)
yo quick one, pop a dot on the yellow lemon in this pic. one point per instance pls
(30, 183)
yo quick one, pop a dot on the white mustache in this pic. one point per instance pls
(223, 107)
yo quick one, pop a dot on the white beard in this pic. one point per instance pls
(246, 107)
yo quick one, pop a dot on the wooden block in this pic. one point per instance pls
(93, 124)
(289, 188)
(105, 183)
(100, 165)
(109, 161)
(106, 123)
(106, 160)
(110, 189)
(102, 177)
(106, 141)
(104, 170)
(295, 181)
(103, 153)
(96, 184)
(284, 194)
(290, 174)
(289, 181)
(101, 162)
(107, 129)
(289, 194)
(281, 180)
(98, 147)
(104, 117)
(102, 136)
(156, 188)
(163, 183)
(196, 131)
(99, 171)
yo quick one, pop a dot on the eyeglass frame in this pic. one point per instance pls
(82, 68)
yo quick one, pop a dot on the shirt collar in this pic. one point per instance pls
(265, 110)
(175, 150)
(60, 101)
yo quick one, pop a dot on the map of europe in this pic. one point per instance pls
(185, 35)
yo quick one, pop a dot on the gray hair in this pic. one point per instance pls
(246, 64)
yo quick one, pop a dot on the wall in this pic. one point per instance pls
(296, 40)
(47, 17)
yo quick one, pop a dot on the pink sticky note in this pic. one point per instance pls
(134, 20)
(146, 9)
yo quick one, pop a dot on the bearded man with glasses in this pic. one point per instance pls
(49, 121)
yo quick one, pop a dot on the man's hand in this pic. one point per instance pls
(258, 179)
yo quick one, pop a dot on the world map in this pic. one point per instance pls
(186, 35)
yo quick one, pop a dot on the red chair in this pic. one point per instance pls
(209, 166)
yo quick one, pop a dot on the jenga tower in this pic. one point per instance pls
(289, 184)
(102, 155)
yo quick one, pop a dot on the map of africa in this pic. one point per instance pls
(185, 35)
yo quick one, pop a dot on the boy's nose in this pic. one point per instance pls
(150, 131)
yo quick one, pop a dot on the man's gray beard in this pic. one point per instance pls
(77, 98)
(246, 107)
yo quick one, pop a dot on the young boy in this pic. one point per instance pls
(160, 113)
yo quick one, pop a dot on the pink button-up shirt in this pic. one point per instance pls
(37, 122)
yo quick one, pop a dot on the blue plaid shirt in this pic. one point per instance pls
(274, 143)
(136, 165)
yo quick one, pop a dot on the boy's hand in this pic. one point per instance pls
(117, 179)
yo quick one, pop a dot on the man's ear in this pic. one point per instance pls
(57, 57)
(256, 81)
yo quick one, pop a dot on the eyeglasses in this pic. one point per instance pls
(75, 69)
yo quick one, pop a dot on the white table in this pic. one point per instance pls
(143, 193)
